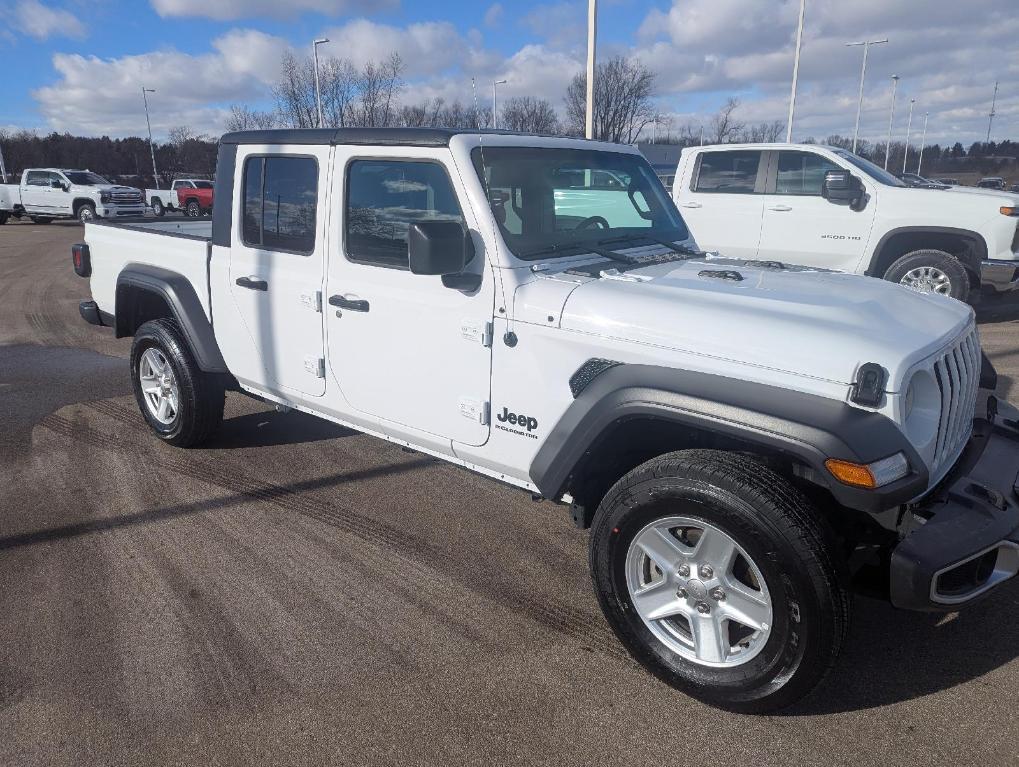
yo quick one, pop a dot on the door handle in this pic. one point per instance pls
(780, 208)
(252, 283)
(350, 304)
(690, 204)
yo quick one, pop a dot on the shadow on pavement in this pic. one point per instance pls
(272, 429)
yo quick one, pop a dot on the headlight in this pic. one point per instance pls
(869, 475)
(104, 197)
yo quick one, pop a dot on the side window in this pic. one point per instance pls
(37, 178)
(728, 172)
(58, 178)
(801, 173)
(280, 199)
(384, 197)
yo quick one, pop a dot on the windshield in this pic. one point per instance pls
(85, 178)
(554, 202)
(874, 171)
(203, 185)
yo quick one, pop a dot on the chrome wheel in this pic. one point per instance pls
(159, 386)
(86, 214)
(927, 279)
(698, 592)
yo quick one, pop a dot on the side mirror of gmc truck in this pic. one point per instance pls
(841, 186)
(443, 248)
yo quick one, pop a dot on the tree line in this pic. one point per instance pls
(374, 95)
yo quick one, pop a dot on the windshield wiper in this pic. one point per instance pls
(560, 247)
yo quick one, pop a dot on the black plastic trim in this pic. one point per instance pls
(223, 195)
(180, 296)
(980, 255)
(804, 426)
(93, 315)
(587, 372)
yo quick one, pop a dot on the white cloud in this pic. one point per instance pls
(103, 96)
(36, 20)
(561, 25)
(244, 9)
(494, 14)
(427, 48)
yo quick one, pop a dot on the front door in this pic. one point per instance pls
(801, 227)
(276, 269)
(723, 206)
(403, 347)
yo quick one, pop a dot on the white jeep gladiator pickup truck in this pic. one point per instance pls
(748, 441)
(827, 207)
(48, 193)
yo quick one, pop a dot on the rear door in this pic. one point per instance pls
(800, 226)
(35, 192)
(277, 262)
(404, 347)
(725, 200)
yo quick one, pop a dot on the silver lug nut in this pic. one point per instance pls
(682, 593)
(717, 594)
(702, 608)
(684, 570)
(706, 571)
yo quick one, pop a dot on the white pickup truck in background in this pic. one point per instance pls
(827, 207)
(192, 196)
(48, 193)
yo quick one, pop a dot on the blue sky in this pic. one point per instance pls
(81, 62)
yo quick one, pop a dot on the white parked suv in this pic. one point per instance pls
(744, 438)
(48, 193)
(827, 207)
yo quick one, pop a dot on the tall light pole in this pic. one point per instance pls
(990, 117)
(891, 117)
(495, 102)
(152, 151)
(318, 91)
(923, 143)
(3, 168)
(863, 76)
(909, 124)
(592, 37)
(796, 73)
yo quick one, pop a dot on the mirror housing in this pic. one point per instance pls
(841, 186)
(438, 247)
(55, 184)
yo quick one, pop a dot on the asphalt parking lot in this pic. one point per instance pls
(296, 593)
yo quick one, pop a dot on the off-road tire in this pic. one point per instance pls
(85, 212)
(201, 395)
(778, 528)
(157, 208)
(944, 262)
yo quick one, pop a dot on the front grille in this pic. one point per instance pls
(126, 198)
(957, 372)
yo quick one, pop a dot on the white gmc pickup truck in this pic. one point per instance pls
(748, 441)
(48, 193)
(827, 207)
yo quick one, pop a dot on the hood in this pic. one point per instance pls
(1006, 198)
(811, 323)
(113, 188)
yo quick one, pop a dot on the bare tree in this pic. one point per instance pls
(764, 133)
(245, 118)
(725, 128)
(378, 85)
(295, 92)
(338, 83)
(622, 100)
(180, 135)
(436, 113)
(529, 115)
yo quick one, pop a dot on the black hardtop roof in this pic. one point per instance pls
(358, 136)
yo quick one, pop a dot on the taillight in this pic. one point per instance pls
(82, 259)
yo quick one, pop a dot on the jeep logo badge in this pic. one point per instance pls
(518, 419)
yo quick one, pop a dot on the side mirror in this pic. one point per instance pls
(439, 247)
(56, 184)
(842, 186)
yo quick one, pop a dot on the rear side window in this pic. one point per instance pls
(280, 203)
(728, 172)
(801, 173)
(384, 197)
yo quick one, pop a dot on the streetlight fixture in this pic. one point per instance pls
(796, 73)
(145, 99)
(891, 117)
(495, 102)
(3, 168)
(923, 143)
(909, 124)
(592, 37)
(318, 91)
(863, 75)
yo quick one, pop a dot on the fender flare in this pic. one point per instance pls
(806, 427)
(954, 231)
(77, 202)
(179, 295)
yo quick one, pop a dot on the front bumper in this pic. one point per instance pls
(966, 540)
(999, 274)
(119, 211)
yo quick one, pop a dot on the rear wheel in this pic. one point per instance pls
(86, 212)
(931, 271)
(717, 575)
(158, 209)
(182, 404)
(193, 209)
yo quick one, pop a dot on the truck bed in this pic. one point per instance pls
(183, 245)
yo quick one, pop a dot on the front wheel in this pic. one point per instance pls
(931, 271)
(182, 404)
(718, 577)
(3, 217)
(87, 212)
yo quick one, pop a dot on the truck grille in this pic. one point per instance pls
(126, 198)
(957, 372)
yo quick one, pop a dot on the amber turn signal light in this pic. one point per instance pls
(854, 474)
(1008, 210)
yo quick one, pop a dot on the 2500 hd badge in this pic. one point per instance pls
(517, 419)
